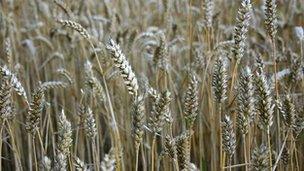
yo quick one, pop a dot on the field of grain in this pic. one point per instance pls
(151, 85)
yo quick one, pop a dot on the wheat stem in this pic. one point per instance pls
(281, 151)
(1, 130)
(137, 156)
(153, 152)
(245, 150)
(269, 148)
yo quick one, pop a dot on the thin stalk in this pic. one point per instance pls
(245, 150)
(35, 153)
(276, 91)
(291, 155)
(269, 148)
(70, 162)
(296, 157)
(222, 159)
(30, 158)
(95, 155)
(237, 165)
(137, 155)
(1, 145)
(234, 74)
(280, 153)
(153, 152)
(175, 156)
(41, 142)
(143, 159)
(15, 148)
(116, 131)
(230, 161)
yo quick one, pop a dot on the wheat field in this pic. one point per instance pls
(151, 85)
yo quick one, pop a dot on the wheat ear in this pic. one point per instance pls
(124, 67)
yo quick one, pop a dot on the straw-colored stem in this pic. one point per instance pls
(153, 152)
(137, 147)
(280, 153)
(237, 165)
(1, 129)
(269, 148)
(34, 152)
(245, 150)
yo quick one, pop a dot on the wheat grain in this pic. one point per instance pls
(259, 158)
(271, 18)
(208, 12)
(90, 124)
(228, 136)
(66, 75)
(264, 101)
(219, 80)
(183, 150)
(80, 165)
(16, 84)
(160, 109)
(60, 162)
(6, 106)
(109, 162)
(191, 101)
(245, 100)
(35, 108)
(138, 113)
(241, 29)
(124, 67)
(75, 26)
(64, 134)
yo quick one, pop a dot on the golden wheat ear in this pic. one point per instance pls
(228, 136)
(241, 29)
(220, 80)
(271, 18)
(124, 67)
(183, 150)
(191, 101)
(264, 103)
(15, 83)
(90, 124)
(245, 101)
(259, 158)
(75, 26)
